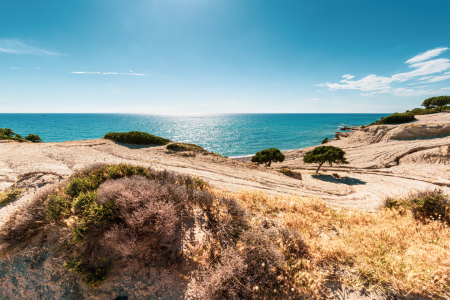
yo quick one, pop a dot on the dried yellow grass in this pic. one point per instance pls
(387, 250)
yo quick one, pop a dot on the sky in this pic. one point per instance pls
(222, 56)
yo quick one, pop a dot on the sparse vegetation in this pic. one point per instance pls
(290, 173)
(389, 250)
(267, 156)
(259, 247)
(136, 138)
(9, 195)
(325, 154)
(8, 134)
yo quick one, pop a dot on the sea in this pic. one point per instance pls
(232, 135)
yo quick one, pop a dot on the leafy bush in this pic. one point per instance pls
(268, 156)
(325, 140)
(136, 138)
(422, 111)
(185, 147)
(425, 205)
(118, 212)
(396, 118)
(33, 138)
(8, 134)
(325, 154)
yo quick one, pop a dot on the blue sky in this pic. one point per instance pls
(222, 56)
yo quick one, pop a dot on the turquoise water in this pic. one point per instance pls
(230, 135)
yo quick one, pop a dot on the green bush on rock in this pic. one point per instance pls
(177, 147)
(8, 134)
(267, 156)
(425, 205)
(396, 118)
(33, 138)
(136, 138)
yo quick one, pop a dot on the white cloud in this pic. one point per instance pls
(348, 76)
(445, 76)
(15, 68)
(426, 55)
(15, 46)
(425, 70)
(108, 73)
(368, 83)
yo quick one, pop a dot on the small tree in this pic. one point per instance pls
(436, 102)
(427, 103)
(323, 154)
(267, 156)
(441, 101)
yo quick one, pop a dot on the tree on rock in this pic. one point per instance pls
(267, 156)
(436, 102)
(325, 154)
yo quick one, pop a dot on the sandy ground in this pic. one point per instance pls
(384, 160)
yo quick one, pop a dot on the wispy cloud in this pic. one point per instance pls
(426, 55)
(15, 46)
(424, 68)
(110, 73)
(15, 68)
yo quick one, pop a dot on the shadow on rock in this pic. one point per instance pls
(343, 180)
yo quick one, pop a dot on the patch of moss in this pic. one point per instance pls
(136, 138)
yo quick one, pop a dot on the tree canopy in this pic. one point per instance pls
(325, 154)
(267, 156)
(436, 102)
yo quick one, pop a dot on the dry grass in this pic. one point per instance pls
(388, 250)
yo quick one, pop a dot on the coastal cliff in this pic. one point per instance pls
(385, 161)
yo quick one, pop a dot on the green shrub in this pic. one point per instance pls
(184, 147)
(325, 154)
(136, 138)
(426, 205)
(33, 138)
(325, 140)
(8, 134)
(119, 199)
(396, 118)
(268, 156)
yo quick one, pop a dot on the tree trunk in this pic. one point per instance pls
(317, 171)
